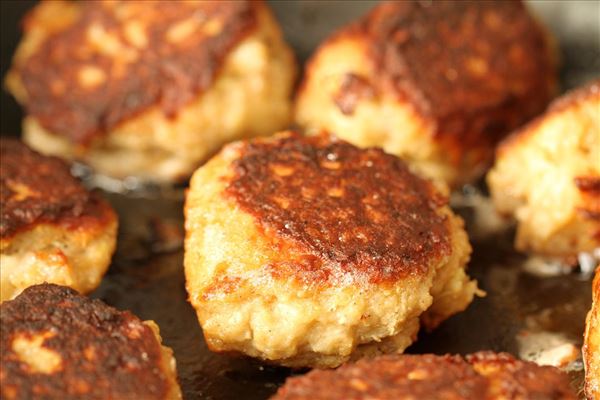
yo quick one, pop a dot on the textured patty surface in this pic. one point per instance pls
(311, 251)
(547, 175)
(436, 82)
(311, 192)
(591, 346)
(480, 376)
(99, 79)
(150, 70)
(57, 344)
(51, 228)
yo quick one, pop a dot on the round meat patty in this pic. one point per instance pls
(51, 228)
(57, 344)
(150, 88)
(308, 251)
(480, 376)
(547, 176)
(437, 83)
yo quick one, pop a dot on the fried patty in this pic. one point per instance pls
(133, 87)
(57, 344)
(547, 176)
(437, 83)
(51, 228)
(591, 346)
(479, 376)
(308, 251)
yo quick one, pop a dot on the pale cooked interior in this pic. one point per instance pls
(534, 181)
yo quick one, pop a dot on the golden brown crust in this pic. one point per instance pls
(483, 375)
(39, 189)
(354, 212)
(117, 59)
(478, 69)
(101, 353)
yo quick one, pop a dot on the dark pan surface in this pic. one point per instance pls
(146, 276)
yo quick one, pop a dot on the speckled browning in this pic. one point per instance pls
(476, 68)
(117, 59)
(102, 353)
(35, 189)
(481, 376)
(355, 212)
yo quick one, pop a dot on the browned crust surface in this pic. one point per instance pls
(481, 376)
(158, 72)
(354, 212)
(105, 353)
(478, 69)
(354, 88)
(578, 95)
(39, 189)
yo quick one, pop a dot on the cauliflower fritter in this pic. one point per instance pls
(483, 375)
(311, 251)
(150, 88)
(57, 344)
(547, 176)
(437, 83)
(51, 228)
(591, 346)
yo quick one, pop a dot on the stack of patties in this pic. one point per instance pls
(150, 88)
(308, 251)
(51, 228)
